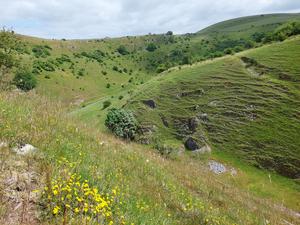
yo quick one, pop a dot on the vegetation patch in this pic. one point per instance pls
(122, 123)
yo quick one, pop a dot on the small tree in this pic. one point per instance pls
(122, 50)
(122, 123)
(106, 104)
(151, 47)
(24, 80)
(8, 44)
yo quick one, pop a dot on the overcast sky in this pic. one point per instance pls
(112, 18)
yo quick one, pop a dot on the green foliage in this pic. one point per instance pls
(161, 68)
(228, 51)
(286, 30)
(97, 55)
(108, 85)
(8, 45)
(63, 59)
(24, 80)
(151, 47)
(115, 68)
(41, 51)
(81, 72)
(122, 123)
(258, 36)
(39, 66)
(122, 50)
(106, 104)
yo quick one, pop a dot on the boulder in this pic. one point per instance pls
(150, 103)
(191, 144)
(216, 167)
(24, 149)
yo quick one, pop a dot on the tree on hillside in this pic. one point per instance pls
(151, 47)
(122, 50)
(122, 123)
(8, 43)
(24, 80)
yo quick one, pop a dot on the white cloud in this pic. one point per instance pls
(100, 18)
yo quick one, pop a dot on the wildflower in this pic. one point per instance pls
(55, 210)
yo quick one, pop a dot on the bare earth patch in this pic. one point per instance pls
(19, 180)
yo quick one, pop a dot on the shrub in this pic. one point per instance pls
(41, 51)
(161, 68)
(115, 68)
(106, 104)
(63, 58)
(24, 80)
(151, 47)
(228, 51)
(122, 123)
(122, 50)
(81, 72)
(108, 85)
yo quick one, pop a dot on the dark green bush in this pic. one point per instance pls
(122, 50)
(41, 51)
(106, 104)
(122, 123)
(151, 47)
(24, 80)
(81, 72)
(63, 58)
(39, 66)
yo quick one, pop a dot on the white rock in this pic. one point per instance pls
(216, 167)
(25, 149)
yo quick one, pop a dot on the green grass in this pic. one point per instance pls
(249, 116)
(155, 190)
(64, 85)
(252, 125)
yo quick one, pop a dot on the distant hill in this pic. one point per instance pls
(250, 24)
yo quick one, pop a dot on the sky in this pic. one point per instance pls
(74, 19)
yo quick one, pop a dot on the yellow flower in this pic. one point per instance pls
(56, 210)
(76, 210)
(55, 192)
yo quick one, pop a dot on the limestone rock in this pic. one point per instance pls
(24, 149)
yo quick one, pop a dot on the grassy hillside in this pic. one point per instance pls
(77, 71)
(245, 26)
(246, 105)
(147, 188)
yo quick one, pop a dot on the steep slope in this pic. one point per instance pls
(147, 188)
(246, 105)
